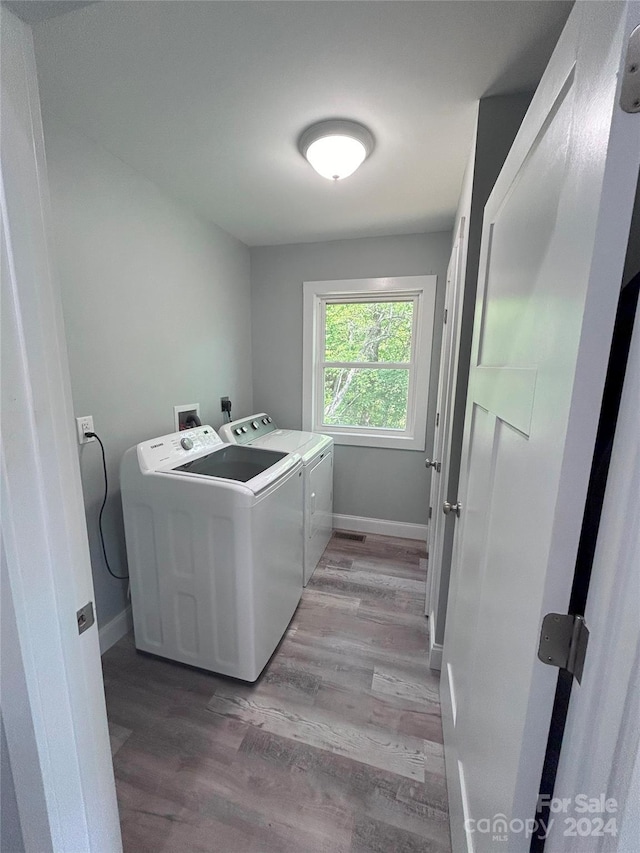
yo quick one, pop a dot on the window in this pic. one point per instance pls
(367, 350)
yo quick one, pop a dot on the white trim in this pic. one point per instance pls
(400, 529)
(601, 746)
(435, 649)
(419, 289)
(115, 629)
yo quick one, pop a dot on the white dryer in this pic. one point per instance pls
(316, 451)
(215, 547)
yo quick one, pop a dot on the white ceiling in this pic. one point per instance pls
(208, 99)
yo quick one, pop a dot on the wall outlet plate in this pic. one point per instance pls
(181, 413)
(84, 424)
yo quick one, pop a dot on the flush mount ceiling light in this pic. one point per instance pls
(336, 148)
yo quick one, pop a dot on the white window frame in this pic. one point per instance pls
(421, 289)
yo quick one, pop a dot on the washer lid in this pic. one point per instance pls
(307, 444)
(233, 462)
(199, 452)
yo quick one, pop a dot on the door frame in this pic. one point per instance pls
(53, 704)
(441, 527)
(597, 760)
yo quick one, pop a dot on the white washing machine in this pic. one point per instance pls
(214, 538)
(316, 451)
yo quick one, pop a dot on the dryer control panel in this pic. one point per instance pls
(176, 448)
(247, 429)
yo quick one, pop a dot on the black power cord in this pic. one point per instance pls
(104, 503)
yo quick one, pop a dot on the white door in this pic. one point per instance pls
(554, 237)
(439, 460)
(53, 707)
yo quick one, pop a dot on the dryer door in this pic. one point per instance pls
(319, 511)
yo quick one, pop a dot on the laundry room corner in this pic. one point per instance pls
(156, 312)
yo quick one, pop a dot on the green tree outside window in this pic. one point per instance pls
(367, 345)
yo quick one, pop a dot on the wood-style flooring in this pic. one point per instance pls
(337, 747)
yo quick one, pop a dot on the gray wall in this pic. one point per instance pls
(157, 313)
(369, 482)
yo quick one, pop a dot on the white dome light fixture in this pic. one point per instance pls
(335, 148)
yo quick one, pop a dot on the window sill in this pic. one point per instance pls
(355, 439)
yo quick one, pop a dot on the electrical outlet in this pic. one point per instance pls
(83, 425)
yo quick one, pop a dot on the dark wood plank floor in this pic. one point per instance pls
(338, 747)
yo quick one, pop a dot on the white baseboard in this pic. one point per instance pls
(380, 525)
(435, 649)
(435, 656)
(114, 630)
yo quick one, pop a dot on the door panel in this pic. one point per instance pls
(489, 665)
(463, 607)
(554, 238)
(519, 276)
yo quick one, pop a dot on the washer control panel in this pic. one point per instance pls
(176, 448)
(247, 429)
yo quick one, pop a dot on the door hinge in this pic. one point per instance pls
(446, 314)
(430, 512)
(438, 419)
(630, 89)
(563, 642)
(85, 617)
